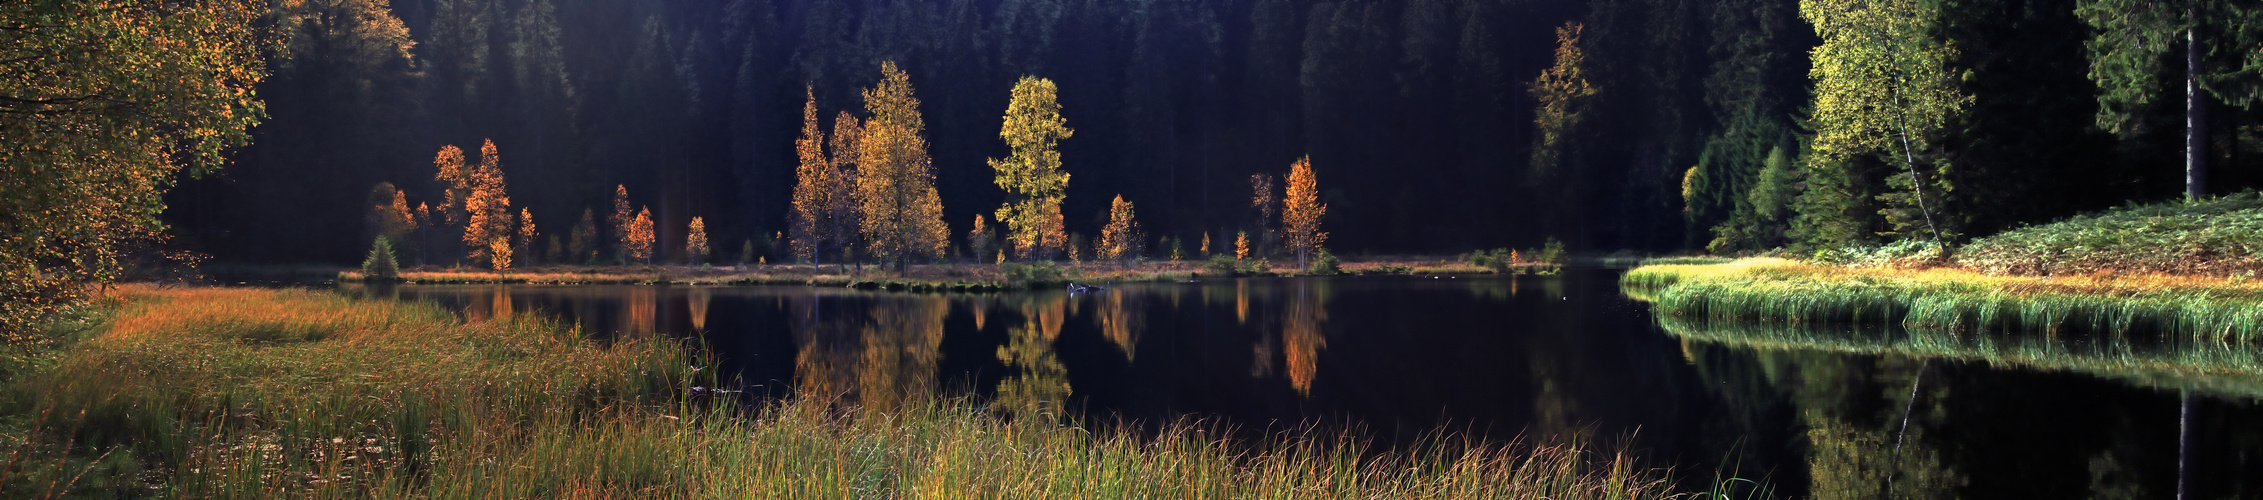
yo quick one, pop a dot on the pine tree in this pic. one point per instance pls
(1120, 239)
(902, 215)
(1301, 213)
(582, 243)
(2133, 37)
(1032, 175)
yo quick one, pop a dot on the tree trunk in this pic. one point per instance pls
(2195, 117)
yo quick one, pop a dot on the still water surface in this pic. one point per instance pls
(1816, 412)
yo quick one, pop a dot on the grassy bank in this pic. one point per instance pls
(2220, 237)
(1776, 290)
(234, 393)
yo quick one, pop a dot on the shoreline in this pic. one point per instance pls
(1784, 291)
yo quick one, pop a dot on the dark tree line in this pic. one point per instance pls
(1416, 115)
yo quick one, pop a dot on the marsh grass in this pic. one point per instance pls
(1775, 290)
(241, 393)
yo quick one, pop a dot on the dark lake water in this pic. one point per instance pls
(1813, 412)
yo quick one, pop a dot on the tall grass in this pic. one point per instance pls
(232, 393)
(1792, 292)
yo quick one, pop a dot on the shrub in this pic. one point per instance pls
(380, 265)
(1220, 265)
(1551, 252)
(1041, 272)
(1325, 264)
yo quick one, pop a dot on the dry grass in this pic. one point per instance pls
(236, 393)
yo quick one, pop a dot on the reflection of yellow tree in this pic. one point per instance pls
(879, 359)
(1121, 319)
(1851, 462)
(699, 298)
(1041, 383)
(1301, 338)
(640, 310)
(901, 345)
(497, 305)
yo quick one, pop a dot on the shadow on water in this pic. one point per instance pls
(1826, 413)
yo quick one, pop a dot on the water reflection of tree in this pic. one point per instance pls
(1121, 317)
(1301, 336)
(640, 310)
(699, 297)
(877, 357)
(496, 304)
(1852, 461)
(1040, 383)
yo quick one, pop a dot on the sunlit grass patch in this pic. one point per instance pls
(241, 393)
(1794, 292)
(2219, 237)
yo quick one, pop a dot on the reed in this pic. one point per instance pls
(1765, 289)
(237, 393)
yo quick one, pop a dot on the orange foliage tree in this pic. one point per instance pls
(477, 198)
(695, 242)
(900, 213)
(1120, 239)
(1301, 213)
(637, 244)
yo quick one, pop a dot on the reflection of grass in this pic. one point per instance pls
(264, 393)
(1780, 290)
(2224, 368)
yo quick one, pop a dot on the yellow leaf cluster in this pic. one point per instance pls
(1032, 175)
(900, 213)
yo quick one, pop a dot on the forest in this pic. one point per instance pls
(1434, 126)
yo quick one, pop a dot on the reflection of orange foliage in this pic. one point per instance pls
(878, 358)
(901, 346)
(1241, 301)
(1040, 384)
(641, 310)
(496, 305)
(1301, 338)
(1120, 320)
(981, 310)
(699, 299)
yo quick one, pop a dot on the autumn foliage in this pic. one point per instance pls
(902, 216)
(1032, 175)
(1120, 239)
(1301, 213)
(477, 198)
(695, 242)
(636, 239)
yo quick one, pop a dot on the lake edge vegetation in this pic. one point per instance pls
(380, 398)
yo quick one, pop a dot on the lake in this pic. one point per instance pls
(1813, 411)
